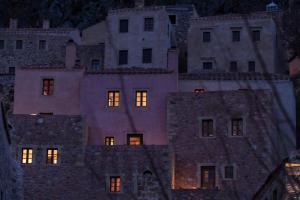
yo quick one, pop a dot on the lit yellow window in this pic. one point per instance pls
(115, 184)
(52, 156)
(135, 139)
(27, 155)
(109, 140)
(141, 98)
(113, 98)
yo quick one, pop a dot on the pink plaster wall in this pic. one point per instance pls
(28, 98)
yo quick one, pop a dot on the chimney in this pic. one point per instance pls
(139, 3)
(13, 23)
(46, 24)
(70, 54)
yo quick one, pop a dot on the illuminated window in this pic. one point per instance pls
(115, 184)
(113, 98)
(27, 155)
(109, 140)
(141, 98)
(52, 156)
(237, 127)
(42, 44)
(48, 86)
(207, 128)
(199, 90)
(148, 24)
(134, 139)
(229, 172)
(208, 177)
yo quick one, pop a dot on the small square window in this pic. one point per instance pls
(251, 66)
(207, 66)
(147, 55)
(123, 57)
(48, 86)
(149, 24)
(19, 44)
(134, 139)
(109, 141)
(229, 172)
(123, 26)
(207, 128)
(233, 66)
(52, 156)
(173, 19)
(256, 35)
(115, 184)
(206, 36)
(141, 97)
(95, 65)
(113, 98)
(11, 70)
(237, 127)
(236, 36)
(2, 44)
(42, 44)
(208, 177)
(27, 154)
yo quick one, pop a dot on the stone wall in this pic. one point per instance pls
(253, 155)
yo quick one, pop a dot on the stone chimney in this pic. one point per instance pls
(46, 24)
(13, 23)
(139, 3)
(70, 54)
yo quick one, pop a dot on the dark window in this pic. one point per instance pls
(44, 113)
(95, 65)
(228, 170)
(52, 156)
(48, 86)
(256, 35)
(237, 127)
(115, 184)
(147, 55)
(233, 66)
(42, 44)
(206, 36)
(123, 57)
(109, 141)
(19, 44)
(149, 24)
(134, 139)
(27, 155)
(274, 195)
(2, 44)
(113, 98)
(251, 66)
(173, 19)
(77, 62)
(141, 98)
(208, 177)
(236, 36)
(123, 26)
(207, 128)
(207, 65)
(11, 70)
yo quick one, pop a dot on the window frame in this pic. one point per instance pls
(121, 28)
(147, 59)
(148, 27)
(16, 44)
(231, 66)
(27, 157)
(256, 37)
(233, 172)
(139, 135)
(108, 183)
(243, 126)
(201, 182)
(234, 36)
(206, 63)
(206, 39)
(52, 160)
(123, 60)
(115, 104)
(201, 127)
(109, 141)
(140, 99)
(251, 66)
(50, 87)
(92, 68)
(39, 45)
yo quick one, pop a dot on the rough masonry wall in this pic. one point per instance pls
(252, 155)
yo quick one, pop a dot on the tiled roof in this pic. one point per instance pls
(134, 9)
(50, 66)
(233, 76)
(37, 30)
(132, 70)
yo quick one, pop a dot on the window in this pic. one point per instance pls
(207, 65)
(233, 66)
(77, 62)
(228, 172)
(149, 24)
(11, 70)
(27, 155)
(141, 98)
(208, 177)
(95, 65)
(42, 44)
(52, 156)
(199, 90)
(123, 57)
(109, 141)
(207, 128)
(19, 44)
(2, 44)
(206, 36)
(256, 35)
(123, 26)
(251, 66)
(236, 36)
(115, 184)
(113, 98)
(147, 55)
(134, 139)
(48, 86)
(237, 127)
(173, 19)
(274, 195)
